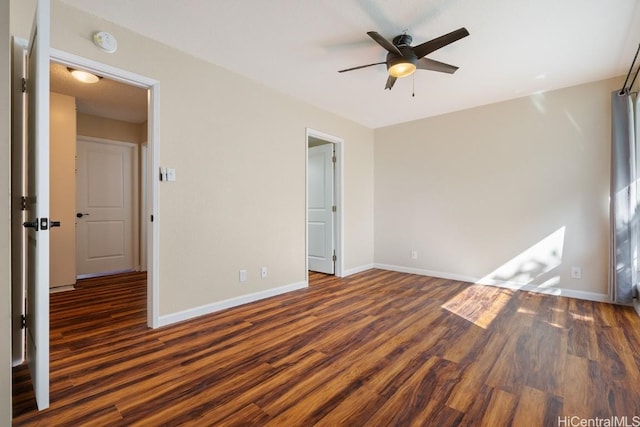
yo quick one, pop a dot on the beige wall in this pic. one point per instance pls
(5, 215)
(62, 137)
(117, 130)
(513, 192)
(239, 152)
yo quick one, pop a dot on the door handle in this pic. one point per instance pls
(31, 224)
(80, 214)
(54, 224)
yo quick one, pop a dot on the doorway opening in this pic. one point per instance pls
(97, 131)
(324, 203)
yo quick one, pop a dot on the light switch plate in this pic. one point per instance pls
(171, 174)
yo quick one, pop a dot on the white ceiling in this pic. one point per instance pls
(106, 98)
(516, 47)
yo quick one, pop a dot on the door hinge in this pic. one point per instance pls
(334, 159)
(24, 85)
(334, 208)
(335, 258)
(23, 203)
(23, 321)
(151, 218)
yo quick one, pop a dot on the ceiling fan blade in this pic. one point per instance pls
(361, 66)
(430, 64)
(435, 44)
(390, 82)
(390, 47)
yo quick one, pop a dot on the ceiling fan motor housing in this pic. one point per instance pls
(403, 40)
(403, 43)
(408, 55)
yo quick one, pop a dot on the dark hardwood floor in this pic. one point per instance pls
(375, 349)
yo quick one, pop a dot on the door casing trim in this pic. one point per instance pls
(338, 144)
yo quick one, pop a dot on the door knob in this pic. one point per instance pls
(80, 214)
(31, 224)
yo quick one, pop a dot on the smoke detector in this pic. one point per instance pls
(105, 41)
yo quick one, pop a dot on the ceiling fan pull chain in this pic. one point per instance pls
(414, 85)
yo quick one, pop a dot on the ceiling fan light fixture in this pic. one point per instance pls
(402, 69)
(84, 76)
(402, 66)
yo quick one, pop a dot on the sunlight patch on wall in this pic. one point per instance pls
(573, 122)
(529, 265)
(539, 102)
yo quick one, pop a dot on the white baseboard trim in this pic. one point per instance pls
(64, 288)
(228, 303)
(590, 296)
(356, 270)
(423, 272)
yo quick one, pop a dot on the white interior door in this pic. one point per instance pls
(37, 206)
(320, 174)
(105, 207)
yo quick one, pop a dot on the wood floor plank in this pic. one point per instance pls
(475, 373)
(534, 357)
(375, 348)
(583, 340)
(580, 397)
(501, 409)
(532, 408)
(278, 383)
(617, 358)
(421, 399)
(354, 410)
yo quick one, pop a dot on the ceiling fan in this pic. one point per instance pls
(403, 59)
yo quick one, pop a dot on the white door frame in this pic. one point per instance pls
(338, 195)
(153, 143)
(18, 232)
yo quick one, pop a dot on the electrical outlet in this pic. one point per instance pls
(243, 275)
(576, 273)
(414, 254)
(263, 272)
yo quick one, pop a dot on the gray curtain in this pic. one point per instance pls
(624, 206)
